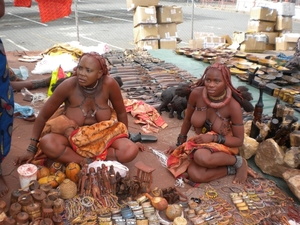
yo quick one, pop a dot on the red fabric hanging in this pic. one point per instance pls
(54, 9)
(22, 3)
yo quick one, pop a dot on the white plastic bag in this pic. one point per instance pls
(117, 166)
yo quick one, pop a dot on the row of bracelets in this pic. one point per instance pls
(32, 148)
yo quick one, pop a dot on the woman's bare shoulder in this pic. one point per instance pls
(234, 107)
(197, 91)
(66, 87)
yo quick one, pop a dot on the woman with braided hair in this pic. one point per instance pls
(214, 111)
(92, 122)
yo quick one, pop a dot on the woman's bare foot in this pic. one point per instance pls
(241, 173)
(3, 187)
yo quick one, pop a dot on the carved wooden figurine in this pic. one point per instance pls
(84, 177)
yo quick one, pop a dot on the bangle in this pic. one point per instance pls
(36, 140)
(179, 141)
(32, 148)
(211, 194)
(182, 136)
(221, 139)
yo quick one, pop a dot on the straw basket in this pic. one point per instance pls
(67, 189)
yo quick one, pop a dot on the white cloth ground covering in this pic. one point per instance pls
(67, 62)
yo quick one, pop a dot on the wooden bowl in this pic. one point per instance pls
(252, 58)
(242, 66)
(267, 62)
(258, 72)
(179, 51)
(237, 71)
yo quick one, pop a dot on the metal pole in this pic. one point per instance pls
(193, 6)
(76, 21)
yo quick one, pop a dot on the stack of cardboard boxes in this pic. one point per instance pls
(206, 40)
(286, 40)
(260, 33)
(269, 28)
(155, 26)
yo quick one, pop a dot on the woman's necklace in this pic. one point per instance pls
(217, 98)
(217, 105)
(89, 93)
(90, 90)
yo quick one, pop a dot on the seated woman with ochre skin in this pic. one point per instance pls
(92, 124)
(217, 119)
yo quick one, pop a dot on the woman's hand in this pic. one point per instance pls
(170, 150)
(26, 158)
(203, 138)
(140, 146)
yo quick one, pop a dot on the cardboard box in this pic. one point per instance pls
(254, 42)
(144, 15)
(132, 4)
(282, 45)
(196, 43)
(270, 47)
(284, 23)
(238, 37)
(213, 41)
(163, 13)
(167, 30)
(148, 44)
(290, 37)
(260, 26)
(228, 40)
(198, 35)
(263, 13)
(177, 14)
(284, 8)
(168, 43)
(271, 37)
(143, 32)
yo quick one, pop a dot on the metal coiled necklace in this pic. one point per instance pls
(89, 93)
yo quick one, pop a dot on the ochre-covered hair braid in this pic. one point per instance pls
(99, 58)
(226, 76)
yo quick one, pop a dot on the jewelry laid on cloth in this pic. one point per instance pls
(216, 105)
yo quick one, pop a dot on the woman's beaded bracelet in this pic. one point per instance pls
(180, 138)
(221, 139)
(32, 148)
(35, 140)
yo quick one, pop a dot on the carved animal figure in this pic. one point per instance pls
(178, 104)
(167, 96)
